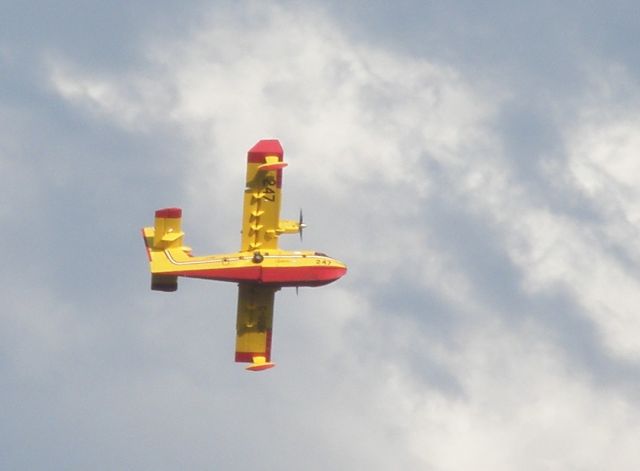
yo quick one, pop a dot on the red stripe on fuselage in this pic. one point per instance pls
(293, 275)
(284, 276)
(224, 274)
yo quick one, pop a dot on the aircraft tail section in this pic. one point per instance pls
(167, 229)
(166, 233)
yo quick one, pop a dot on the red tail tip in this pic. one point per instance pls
(169, 213)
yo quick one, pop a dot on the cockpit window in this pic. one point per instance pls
(320, 254)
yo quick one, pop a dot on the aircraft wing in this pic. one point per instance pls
(254, 324)
(262, 197)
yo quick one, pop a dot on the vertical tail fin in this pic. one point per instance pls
(168, 229)
(166, 233)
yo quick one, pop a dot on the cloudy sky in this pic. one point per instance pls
(475, 165)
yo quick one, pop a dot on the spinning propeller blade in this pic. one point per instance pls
(301, 225)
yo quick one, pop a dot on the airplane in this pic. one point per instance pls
(260, 267)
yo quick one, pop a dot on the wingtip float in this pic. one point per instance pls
(260, 364)
(260, 267)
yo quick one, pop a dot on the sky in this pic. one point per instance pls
(475, 165)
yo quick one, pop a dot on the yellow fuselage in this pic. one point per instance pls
(274, 267)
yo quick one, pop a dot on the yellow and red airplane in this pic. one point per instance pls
(260, 267)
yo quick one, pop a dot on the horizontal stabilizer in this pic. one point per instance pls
(167, 230)
(172, 236)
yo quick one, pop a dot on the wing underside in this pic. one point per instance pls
(254, 324)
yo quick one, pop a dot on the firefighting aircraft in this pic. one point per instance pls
(260, 267)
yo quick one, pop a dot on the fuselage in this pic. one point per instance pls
(275, 267)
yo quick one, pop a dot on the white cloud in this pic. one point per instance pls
(522, 410)
(592, 258)
(359, 113)
(604, 163)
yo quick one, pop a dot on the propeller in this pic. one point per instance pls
(301, 225)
